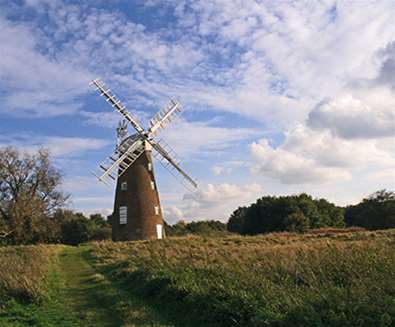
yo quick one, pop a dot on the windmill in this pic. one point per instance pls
(137, 212)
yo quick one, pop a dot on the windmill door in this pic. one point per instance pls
(159, 231)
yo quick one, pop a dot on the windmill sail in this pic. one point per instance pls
(115, 103)
(164, 116)
(122, 158)
(164, 154)
(131, 148)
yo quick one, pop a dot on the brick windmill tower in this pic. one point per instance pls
(137, 211)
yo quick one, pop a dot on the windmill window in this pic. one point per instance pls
(156, 210)
(149, 166)
(124, 186)
(123, 215)
(152, 185)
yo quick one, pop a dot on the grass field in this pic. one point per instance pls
(24, 270)
(326, 278)
(317, 279)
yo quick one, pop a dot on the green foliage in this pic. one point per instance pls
(98, 220)
(76, 228)
(75, 231)
(296, 222)
(291, 213)
(375, 212)
(207, 227)
(328, 279)
(236, 220)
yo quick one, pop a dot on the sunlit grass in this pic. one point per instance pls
(24, 269)
(321, 278)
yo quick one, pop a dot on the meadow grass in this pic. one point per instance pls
(30, 287)
(323, 278)
(48, 286)
(24, 270)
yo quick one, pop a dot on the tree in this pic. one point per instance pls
(177, 229)
(76, 228)
(377, 211)
(205, 227)
(98, 220)
(100, 227)
(236, 220)
(29, 195)
(297, 222)
(331, 214)
(293, 213)
(76, 231)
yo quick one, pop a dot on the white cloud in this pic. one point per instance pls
(35, 84)
(61, 146)
(290, 167)
(58, 146)
(317, 156)
(215, 201)
(103, 119)
(92, 204)
(287, 56)
(348, 117)
(197, 138)
(79, 183)
(172, 214)
(228, 167)
(217, 170)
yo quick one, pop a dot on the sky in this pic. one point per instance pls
(278, 97)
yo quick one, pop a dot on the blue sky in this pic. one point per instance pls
(279, 97)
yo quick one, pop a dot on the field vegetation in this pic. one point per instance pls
(327, 277)
(323, 278)
(23, 271)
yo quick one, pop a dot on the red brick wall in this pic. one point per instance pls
(140, 200)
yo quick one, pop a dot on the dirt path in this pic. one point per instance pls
(93, 300)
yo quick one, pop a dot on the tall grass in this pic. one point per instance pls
(23, 271)
(317, 279)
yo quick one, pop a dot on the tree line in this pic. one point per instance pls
(299, 213)
(206, 227)
(32, 209)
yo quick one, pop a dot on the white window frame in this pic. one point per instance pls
(152, 185)
(150, 166)
(124, 186)
(156, 210)
(123, 215)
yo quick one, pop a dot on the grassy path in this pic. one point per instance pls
(88, 295)
(79, 295)
(93, 300)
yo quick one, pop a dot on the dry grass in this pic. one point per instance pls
(23, 271)
(319, 278)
